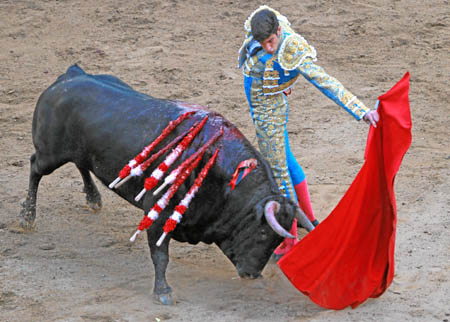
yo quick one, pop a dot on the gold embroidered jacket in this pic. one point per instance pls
(295, 57)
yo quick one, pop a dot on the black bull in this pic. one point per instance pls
(99, 123)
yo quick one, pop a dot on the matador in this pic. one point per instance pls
(272, 57)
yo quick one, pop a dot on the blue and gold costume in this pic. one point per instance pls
(266, 76)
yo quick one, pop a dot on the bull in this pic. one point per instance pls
(98, 122)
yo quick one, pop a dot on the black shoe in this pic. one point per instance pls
(315, 222)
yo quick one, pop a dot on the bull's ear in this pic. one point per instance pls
(290, 207)
(259, 211)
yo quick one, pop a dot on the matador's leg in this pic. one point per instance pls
(300, 185)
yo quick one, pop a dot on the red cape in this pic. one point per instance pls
(349, 257)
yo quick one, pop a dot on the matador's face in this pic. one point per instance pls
(271, 43)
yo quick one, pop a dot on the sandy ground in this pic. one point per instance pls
(79, 266)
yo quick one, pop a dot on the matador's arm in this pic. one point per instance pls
(296, 53)
(332, 88)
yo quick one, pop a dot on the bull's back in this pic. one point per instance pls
(97, 121)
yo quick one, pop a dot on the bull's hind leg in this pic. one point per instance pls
(160, 258)
(93, 197)
(28, 212)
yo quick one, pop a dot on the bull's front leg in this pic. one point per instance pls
(160, 257)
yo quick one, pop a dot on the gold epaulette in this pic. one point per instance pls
(293, 51)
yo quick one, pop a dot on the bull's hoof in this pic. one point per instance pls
(95, 205)
(164, 299)
(93, 199)
(24, 226)
(27, 219)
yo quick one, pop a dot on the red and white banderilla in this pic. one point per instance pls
(139, 170)
(146, 151)
(157, 174)
(153, 214)
(181, 208)
(174, 174)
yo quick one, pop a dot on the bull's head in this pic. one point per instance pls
(261, 230)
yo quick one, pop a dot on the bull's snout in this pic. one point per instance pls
(247, 274)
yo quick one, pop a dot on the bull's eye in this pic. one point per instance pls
(263, 234)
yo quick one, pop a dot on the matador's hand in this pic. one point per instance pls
(372, 117)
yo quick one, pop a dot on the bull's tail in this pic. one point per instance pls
(74, 71)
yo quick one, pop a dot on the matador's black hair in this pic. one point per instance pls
(263, 24)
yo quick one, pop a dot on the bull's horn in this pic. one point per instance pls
(270, 210)
(303, 220)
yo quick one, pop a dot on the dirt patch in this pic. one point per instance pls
(76, 268)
